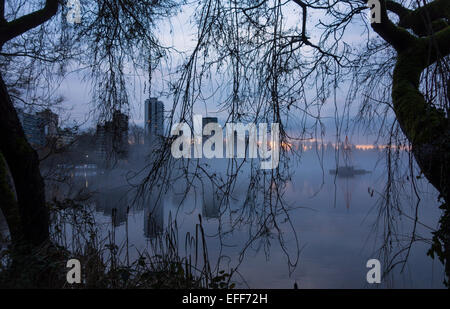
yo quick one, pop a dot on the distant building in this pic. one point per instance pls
(136, 135)
(49, 122)
(65, 137)
(112, 137)
(32, 128)
(207, 120)
(154, 119)
(38, 128)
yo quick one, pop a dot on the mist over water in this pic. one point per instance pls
(328, 225)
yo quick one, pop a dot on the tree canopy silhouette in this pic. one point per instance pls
(277, 58)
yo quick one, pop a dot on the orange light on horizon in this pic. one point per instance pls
(365, 147)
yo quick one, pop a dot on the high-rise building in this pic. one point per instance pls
(39, 127)
(49, 122)
(206, 120)
(112, 137)
(65, 137)
(154, 119)
(32, 128)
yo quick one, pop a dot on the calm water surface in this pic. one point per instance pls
(333, 218)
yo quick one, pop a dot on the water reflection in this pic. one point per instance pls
(113, 202)
(211, 199)
(334, 219)
(153, 216)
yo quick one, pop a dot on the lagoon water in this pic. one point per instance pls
(329, 229)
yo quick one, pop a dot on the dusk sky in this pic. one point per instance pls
(180, 33)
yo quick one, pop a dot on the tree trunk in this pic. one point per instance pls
(23, 164)
(426, 127)
(9, 205)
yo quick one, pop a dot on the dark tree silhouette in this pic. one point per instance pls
(20, 157)
(261, 43)
(37, 37)
(277, 59)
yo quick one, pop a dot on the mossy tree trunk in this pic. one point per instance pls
(426, 127)
(428, 41)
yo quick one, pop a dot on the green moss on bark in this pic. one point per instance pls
(421, 122)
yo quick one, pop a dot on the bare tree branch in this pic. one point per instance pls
(27, 22)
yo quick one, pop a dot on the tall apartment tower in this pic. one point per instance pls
(112, 137)
(154, 119)
(49, 122)
(39, 127)
(205, 121)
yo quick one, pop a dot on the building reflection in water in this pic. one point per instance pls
(153, 216)
(211, 202)
(113, 203)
